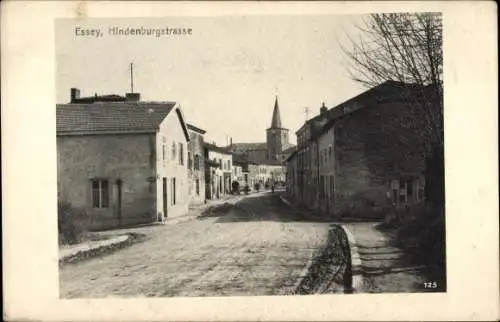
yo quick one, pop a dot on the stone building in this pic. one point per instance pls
(291, 175)
(357, 163)
(196, 165)
(121, 160)
(276, 148)
(307, 158)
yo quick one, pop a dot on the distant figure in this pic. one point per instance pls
(272, 188)
(236, 187)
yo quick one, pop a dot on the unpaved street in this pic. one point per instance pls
(258, 247)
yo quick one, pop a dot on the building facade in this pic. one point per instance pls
(196, 165)
(353, 162)
(219, 171)
(122, 162)
(291, 176)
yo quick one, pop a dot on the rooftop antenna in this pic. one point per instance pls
(131, 77)
(306, 112)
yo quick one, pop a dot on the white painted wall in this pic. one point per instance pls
(168, 165)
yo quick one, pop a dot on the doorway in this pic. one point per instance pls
(119, 200)
(165, 200)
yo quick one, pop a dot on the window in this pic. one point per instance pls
(190, 161)
(197, 187)
(196, 162)
(395, 191)
(406, 190)
(100, 193)
(164, 148)
(173, 150)
(181, 154)
(330, 151)
(229, 164)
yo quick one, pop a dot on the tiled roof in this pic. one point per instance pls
(291, 156)
(213, 147)
(112, 117)
(388, 90)
(248, 146)
(290, 149)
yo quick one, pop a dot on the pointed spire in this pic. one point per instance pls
(276, 121)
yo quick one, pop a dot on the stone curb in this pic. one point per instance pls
(97, 250)
(306, 269)
(286, 201)
(357, 281)
(356, 266)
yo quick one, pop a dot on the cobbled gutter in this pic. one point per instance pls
(133, 238)
(330, 269)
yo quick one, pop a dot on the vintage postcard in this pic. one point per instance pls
(256, 157)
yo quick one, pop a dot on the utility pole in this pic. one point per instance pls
(131, 77)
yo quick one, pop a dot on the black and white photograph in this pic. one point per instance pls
(250, 155)
(250, 161)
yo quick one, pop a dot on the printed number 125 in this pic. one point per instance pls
(430, 285)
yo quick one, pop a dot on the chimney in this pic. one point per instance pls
(323, 109)
(132, 97)
(75, 94)
(231, 141)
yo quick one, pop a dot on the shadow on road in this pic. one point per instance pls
(265, 207)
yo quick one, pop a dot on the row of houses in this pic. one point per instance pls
(359, 157)
(124, 161)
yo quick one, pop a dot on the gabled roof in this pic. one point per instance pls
(99, 98)
(112, 117)
(388, 90)
(291, 156)
(213, 147)
(195, 128)
(290, 149)
(235, 147)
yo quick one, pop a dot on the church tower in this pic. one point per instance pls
(277, 136)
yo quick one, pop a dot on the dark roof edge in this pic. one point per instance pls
(195, 128)
(292, 155)
(408, 90)
(104, 132)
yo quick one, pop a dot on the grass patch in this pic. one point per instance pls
(73, 224)
(420, 233)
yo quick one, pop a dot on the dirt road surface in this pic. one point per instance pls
(256, 247)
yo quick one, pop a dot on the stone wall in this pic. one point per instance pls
(196, 170)
(373, 148)
(129, 158)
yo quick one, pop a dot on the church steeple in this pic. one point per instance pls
(276, 121)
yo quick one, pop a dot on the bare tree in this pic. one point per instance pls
(404, 47)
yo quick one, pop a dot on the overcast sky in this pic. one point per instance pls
(225, 75)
